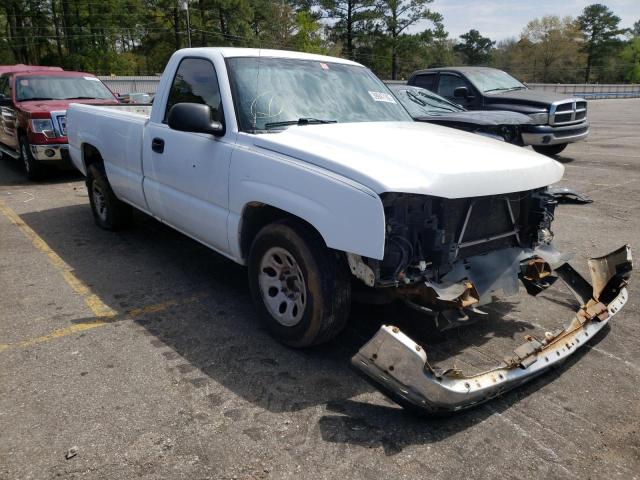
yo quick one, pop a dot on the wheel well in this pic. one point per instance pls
(91, 156)
(256, 216)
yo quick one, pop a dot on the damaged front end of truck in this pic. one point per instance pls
(447, 258)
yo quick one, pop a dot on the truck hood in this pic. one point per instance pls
(534, 98)
(479, 117)
(57, 105)
(413, 157)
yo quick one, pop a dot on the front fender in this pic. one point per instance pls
(348, 216)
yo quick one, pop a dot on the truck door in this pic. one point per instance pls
(186, 174)
(447, 84)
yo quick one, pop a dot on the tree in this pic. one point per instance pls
(440, 47)
(553, 48)
(351, 20)
(396, 16)
(307, 36)
(475, 49)
(600, 29)
(635, 30)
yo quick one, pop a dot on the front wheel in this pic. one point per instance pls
(32, 168)
(550, 149)
(300, 287)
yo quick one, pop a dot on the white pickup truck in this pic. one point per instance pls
(305, 169)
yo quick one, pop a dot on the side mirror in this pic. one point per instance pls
(461, 92)
(5, 101)
(194, 117)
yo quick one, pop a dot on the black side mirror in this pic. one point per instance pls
(194, 117)
(461, 92)
(5, 101)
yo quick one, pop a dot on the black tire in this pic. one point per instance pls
(108, 212)
(33, 169)
(326, 286)
(550, 150)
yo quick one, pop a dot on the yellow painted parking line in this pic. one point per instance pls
(97, 306)
(102, 321)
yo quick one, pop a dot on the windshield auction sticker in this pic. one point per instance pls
(382, 97)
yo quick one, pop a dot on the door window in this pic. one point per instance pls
(4, 87)
(195, 82)
(427, 81)
(448, 83)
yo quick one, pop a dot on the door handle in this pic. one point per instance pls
(157, 145)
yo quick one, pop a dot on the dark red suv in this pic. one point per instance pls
(33, 108)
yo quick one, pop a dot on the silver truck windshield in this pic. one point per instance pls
(273, 93)
(49, 87)
(491, 80)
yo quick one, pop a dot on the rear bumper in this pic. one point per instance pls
(547, 135)
(51, 152)
(399, 367)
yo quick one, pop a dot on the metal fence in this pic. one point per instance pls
(131, 84)
(590, 91)
(586, 90)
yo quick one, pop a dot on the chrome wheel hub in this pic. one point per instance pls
(282, 286)
(99, 202)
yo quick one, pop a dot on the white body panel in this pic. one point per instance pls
(416, 157)
(329, 175)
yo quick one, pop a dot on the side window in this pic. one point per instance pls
(4, 87)
(427, 81)
(448, 83)
(195, 82)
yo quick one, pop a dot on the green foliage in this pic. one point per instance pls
(474, 48)
(351, 22)
(630, 56)
(396, 16)
(392, 37)
(552, 46)
(600, 29)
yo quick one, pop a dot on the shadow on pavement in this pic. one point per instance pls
(219, 338)
(12, 174)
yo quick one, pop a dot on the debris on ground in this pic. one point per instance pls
(568, 195)
(72, 452)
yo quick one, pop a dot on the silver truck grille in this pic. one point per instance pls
(565, 113)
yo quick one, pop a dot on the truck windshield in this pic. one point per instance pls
(48, 87)
(420, 102)
(271, 94)
(491, 80)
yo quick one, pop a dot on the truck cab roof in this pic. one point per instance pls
(56, 73)
(232, 52)
(27, 68)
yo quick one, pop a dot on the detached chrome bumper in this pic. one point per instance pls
(547, 135)
(399, 367)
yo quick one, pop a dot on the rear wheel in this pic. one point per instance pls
(108, 212)
(32, 168)
(300, 287)
(550, 149)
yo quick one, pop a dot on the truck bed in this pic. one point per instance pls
(137, 109)
(117, 133)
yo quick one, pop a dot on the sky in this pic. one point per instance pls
(502, 19)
